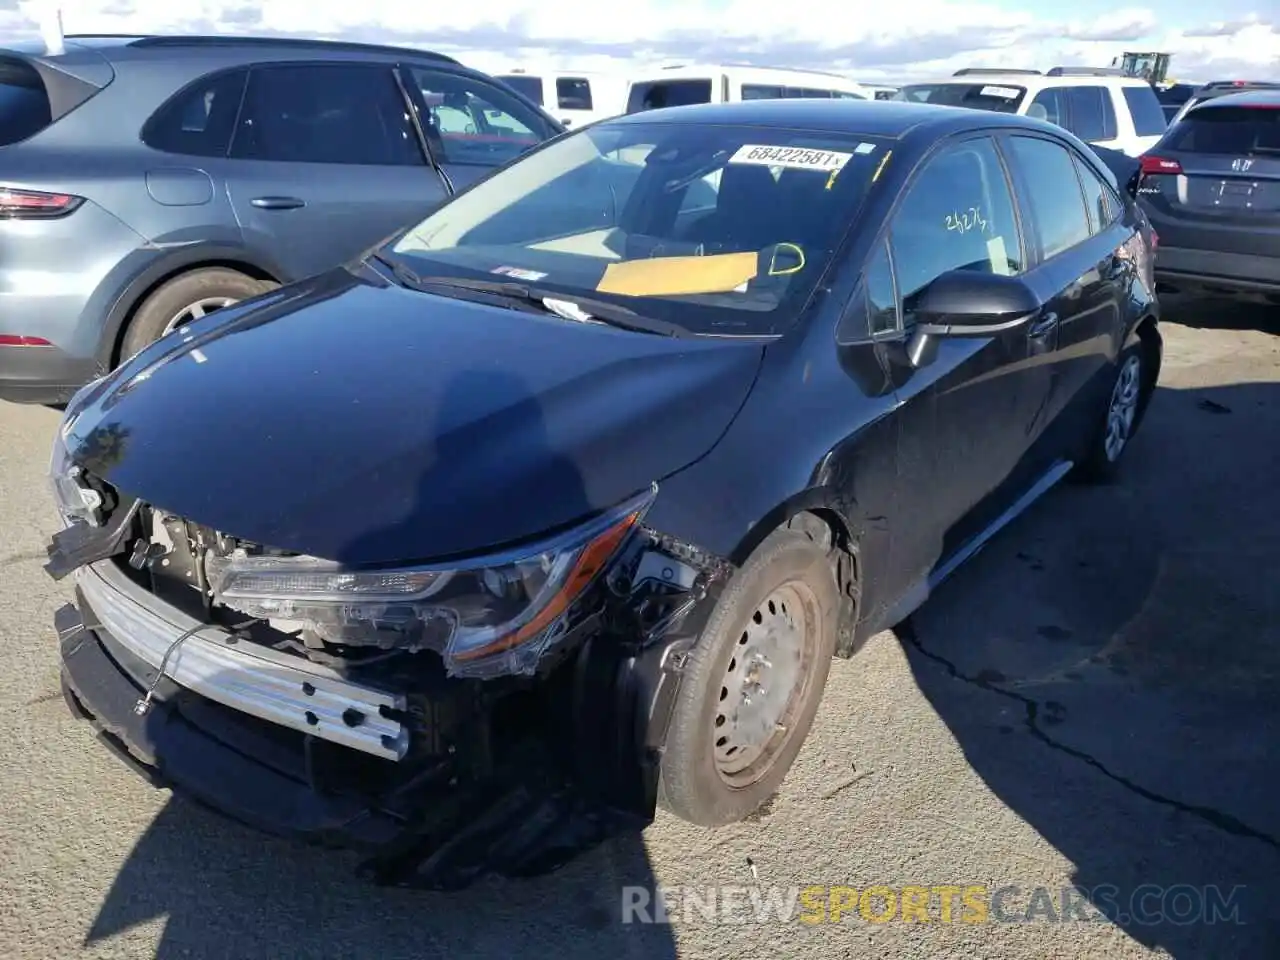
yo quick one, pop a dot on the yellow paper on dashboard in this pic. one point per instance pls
(679, 276)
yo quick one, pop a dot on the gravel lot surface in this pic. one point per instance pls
(1093, 701)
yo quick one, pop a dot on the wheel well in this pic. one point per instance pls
(1152, 342)
(240, 266)
(828, 529)
(1153, 353)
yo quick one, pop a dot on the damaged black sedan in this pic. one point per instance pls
(559, 504)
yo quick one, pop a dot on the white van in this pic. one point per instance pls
(574, 98)
(685, 84)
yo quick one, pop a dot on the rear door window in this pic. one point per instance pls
(1103, 205)
(326, 113)
(762, 91)
(1144, 107)
(1237, 131)
(24, 102)
(573, 93)
(1053, 193)
(200, 119)
(655, 94)
(1092, 115)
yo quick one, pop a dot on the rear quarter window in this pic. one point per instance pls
(24, 102)
(1144, 107)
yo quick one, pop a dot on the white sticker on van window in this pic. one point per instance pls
(793, 158)
(1008, 93)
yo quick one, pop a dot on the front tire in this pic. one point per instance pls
(1120, 418)
(752, 683)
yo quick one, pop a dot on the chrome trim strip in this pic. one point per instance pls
(244, 676)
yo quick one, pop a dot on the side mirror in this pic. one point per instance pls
(966, 303)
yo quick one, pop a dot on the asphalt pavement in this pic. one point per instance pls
(1089, 709)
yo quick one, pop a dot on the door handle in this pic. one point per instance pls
(277, 203)
(1044, 325)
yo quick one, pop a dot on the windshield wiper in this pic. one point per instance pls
(403, 275)
(601, 310)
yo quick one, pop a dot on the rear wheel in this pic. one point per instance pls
(184, 298)
(1119, 420)
(752, 683)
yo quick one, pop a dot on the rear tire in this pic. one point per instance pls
(186, 297)
(752, 684)
(1119, 418)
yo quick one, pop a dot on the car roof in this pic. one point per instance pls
(872, 118)
(701, 70)
(248, 48)
(1267, 97)
(1037, 80)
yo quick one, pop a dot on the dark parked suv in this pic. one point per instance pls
(1211, 188)
(146, 181)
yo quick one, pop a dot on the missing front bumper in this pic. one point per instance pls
(264, 683)
(574, 783)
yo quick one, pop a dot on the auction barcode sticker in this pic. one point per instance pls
(796, 158)
(1008, 93)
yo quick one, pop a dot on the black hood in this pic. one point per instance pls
(367, 423)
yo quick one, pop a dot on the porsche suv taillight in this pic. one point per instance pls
(36, 204)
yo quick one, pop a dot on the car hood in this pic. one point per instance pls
(362, 422)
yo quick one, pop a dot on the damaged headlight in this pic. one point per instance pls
(74, 500)
(488, 617)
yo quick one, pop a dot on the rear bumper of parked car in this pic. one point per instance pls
(59, 279)
(42, 373)
(433, 824)
(1215, 272)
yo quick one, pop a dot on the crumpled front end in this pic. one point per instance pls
(498, 714)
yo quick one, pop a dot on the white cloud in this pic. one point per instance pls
(918, 38)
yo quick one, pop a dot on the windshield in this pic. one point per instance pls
(980, 96)
(716, 229)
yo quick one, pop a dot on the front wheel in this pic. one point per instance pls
(752, 683)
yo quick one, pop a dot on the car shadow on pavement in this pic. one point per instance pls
(1216, 313)
(1110, 666)
(225, 890)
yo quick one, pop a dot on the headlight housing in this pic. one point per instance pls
(75, 501)
(492, 616)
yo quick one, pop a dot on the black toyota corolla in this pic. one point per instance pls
(559, 504)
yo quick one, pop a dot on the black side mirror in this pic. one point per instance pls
(966, 303)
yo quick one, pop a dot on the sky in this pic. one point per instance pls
(889, 42)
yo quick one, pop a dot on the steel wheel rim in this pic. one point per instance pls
(764, 684)
(1123, 409)
(194, 311)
